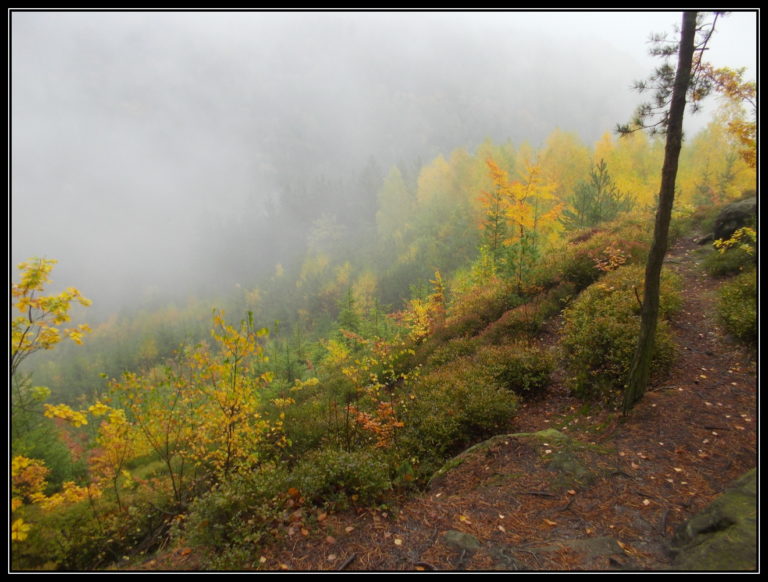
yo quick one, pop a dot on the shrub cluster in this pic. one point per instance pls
(91, 534)
(737, 306)
(522, 368)
(451, 350)
(601, 330)
(470, 398)
(472, 311)
(336, 477)
(241, 509)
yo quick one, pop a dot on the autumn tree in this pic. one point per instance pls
(531, 214)
(38, 325)
(739, 95)
(494, 202)
(665, 115)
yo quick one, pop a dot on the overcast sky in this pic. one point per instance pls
(133, 132)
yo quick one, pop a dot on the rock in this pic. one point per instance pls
(504, 560)
(561, 457)
(463, 542)
(723, 537)
(734, 216)
(572, 472)
(592, 547)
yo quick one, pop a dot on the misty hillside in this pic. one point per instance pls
(174, 145)
(272, 268)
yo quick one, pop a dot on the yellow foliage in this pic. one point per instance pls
(27, 478)
(74, 417)
(19, 530)
(36, 328)
(744, 238)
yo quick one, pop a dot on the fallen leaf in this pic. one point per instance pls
(464, 519)
(571, 492)
(501, 528)
(678, 469)
(330, 540)
(646, 502)
(549, 522)
(331, 557)
(398, 542)
(349, 528)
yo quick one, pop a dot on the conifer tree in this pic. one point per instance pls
(671, 88)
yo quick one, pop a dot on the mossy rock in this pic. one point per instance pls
(723, 537)
(463, 456)
(571, 472)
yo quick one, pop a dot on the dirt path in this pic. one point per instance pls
(643, 476)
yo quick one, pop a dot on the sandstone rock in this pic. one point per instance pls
(723, 537)
(734, 216)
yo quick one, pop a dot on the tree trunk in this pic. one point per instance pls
(641, 364)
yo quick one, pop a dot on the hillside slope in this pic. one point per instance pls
(597, 493)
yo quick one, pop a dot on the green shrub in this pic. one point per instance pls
(451, 350)
(601, 330)
(335, 477)
(305, 422)
(453, 407)
(227, 522)
(89, 536)
(521, 322)
(525, 369)
(737, 306)
(728, 263)
(590, 253)
(471, 312)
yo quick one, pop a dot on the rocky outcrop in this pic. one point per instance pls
(723, 537)
(732, 217)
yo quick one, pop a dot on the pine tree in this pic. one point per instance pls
(672, 86)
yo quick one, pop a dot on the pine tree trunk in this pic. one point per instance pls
(641, 364)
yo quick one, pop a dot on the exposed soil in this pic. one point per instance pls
(636, 479)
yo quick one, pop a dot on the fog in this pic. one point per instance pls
(186, 152)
